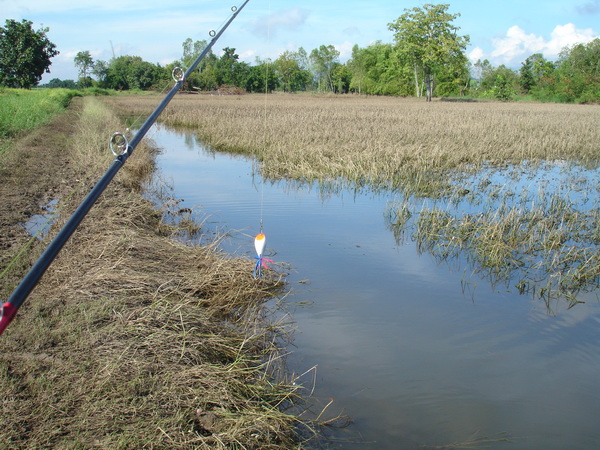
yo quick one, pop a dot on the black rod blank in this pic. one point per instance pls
(22, 291)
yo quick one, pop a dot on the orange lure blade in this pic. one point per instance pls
(259, 244)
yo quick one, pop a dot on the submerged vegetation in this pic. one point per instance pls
(131, 339)
(528, 226)
(541, 234)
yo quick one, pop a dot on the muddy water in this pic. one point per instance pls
(418, 353)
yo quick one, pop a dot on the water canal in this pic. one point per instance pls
(418, 353)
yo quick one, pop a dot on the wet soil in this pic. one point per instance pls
(36, 171)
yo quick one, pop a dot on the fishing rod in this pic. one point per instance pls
(118, 141)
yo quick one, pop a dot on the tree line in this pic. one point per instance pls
(291, 72)
(426, 58)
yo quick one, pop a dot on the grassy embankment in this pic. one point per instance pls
(22, 111)
(545, 241)
(131, 339)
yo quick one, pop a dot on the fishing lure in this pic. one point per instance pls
(259, 245)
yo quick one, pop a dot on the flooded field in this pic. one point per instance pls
(403, 324)
(536, 226)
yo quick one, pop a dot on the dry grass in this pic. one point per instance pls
(552, 254)
(382, 141)
(134, 340)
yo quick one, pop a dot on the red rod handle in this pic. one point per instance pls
(6, 316)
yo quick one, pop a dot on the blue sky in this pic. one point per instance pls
(503, 31)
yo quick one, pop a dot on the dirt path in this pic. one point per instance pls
(36, 172)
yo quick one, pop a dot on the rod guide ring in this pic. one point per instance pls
(212, 33)
(119, 141)
(234, 8)
(177, 74)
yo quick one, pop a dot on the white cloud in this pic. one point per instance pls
(476, 54)
(248, 56)
(568, 35)
(289, 19)
(517, 45)
(345, 50)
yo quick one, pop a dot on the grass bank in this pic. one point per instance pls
(24, 110)
(131, 339)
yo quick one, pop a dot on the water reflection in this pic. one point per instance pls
(39, 225)
(400, 344)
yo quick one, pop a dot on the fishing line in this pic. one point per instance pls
(134, 124)
(177, 74)
(265, 130)
(260, 239)
(265, 113)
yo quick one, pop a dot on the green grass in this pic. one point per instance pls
(22, 110)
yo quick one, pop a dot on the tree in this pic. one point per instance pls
(143, 75)
(117, 75)
(341, 77)
(56, 83)
(206, 73)
(358, 69)
(207, 79)
(481, 71)
(454, 79)
(100, 69)
(191, 51)
(377, 70)
(24, 54)
(228, 67)
(292, 77)
(429, 41)
(486, 76)
(302, 58)
(323, 61)
(504, 84)
(533, 70)
(578, 73)
(131, 72)
(85, 63)
(261, 77)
